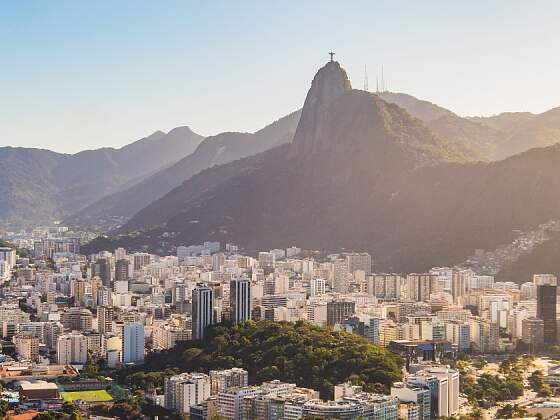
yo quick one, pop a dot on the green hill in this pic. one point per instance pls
(298, 353)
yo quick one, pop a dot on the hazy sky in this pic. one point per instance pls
(86, 74)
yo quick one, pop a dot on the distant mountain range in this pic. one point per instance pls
(115, 209)
(37, 186)
(484, 138)
(408, 180)
(365, 172)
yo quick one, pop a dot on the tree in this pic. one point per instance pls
(124, 410)
(69, 407)
(3, 408)
(91, 368)
(509, 411)
(76, 415)
(545, 391)
(490, 389)
(300, 353)
(479, 362)
(476, 414)
(537, 380)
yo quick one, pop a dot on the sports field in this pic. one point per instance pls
(89, 396)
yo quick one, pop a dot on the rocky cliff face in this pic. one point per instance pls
(329, 83)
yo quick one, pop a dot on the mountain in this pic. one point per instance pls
(484, 138)
(360, 174)
(114, 209)
(37, 185)
(475, 138)
(421, 109)
(318, 154)
(26, 190)
(534, 131)
(351, 154)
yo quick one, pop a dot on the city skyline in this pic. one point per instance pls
(329, 220)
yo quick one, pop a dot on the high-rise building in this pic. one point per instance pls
(120, 254)
(79, 319)
(419, 287)
(317, 287)
(359, 261)
(121, 270)
(528, 291)
(480, 281)
(202, 311)
(340, 276)
(307, 266)
(230, 401)
(133, 343)
(140, 259)
(358, 406)
(386, 287)
(27, 346)
(339, 310)
(53, 330)
(485, 335)
(240, 299)
(103, 294)
(185, 390)
(546, 310)
(120, 286)
(266, 260)
(533, 331)
(222, 380)
(459, 284)
(9, 255)
(49, 246)
(459, 333)
(419, 395)
(444, 386)
(218, 260)
(102, 269)
(97, 344)
(72, 348)
(80, 290)
(545, 280)
(105, 316)
(445, 275)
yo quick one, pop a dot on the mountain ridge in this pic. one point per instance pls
(39, 185)
(214, 150)
(380, 181)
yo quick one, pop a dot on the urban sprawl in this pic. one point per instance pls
(460, 333)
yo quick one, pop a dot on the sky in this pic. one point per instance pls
(78, 75)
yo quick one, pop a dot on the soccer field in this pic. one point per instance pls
(89, 396)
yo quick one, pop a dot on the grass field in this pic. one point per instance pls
(89, 396)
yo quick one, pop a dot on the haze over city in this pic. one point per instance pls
(279, 211)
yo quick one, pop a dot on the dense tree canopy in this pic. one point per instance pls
(509, 411)
(299, 353)
(489, 388)
(537, 383)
